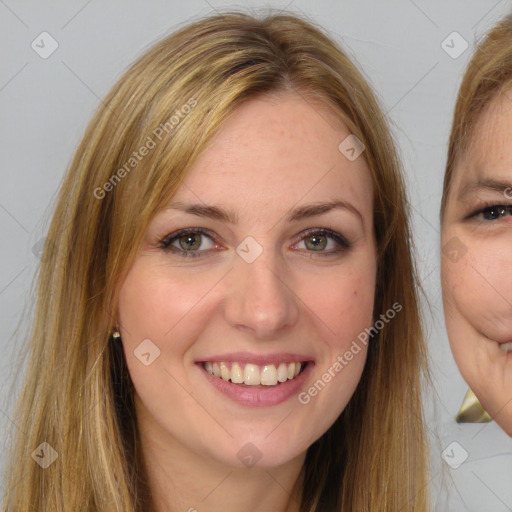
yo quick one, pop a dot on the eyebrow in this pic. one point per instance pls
(486, 184)
(299, 213)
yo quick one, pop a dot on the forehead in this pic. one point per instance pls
(284, 145)
(489, 151)
(492, 134)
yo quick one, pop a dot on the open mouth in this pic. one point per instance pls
(506, 347)
(255, 375)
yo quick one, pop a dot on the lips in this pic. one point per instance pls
(257, 379)
(259, 395)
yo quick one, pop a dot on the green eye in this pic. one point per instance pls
(316, 242)
(189, 242)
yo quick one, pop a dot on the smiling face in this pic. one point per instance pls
(264, 278)
(477, 262)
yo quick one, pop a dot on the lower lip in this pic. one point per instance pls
(259, 397)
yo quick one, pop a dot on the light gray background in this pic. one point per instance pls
(46, 103)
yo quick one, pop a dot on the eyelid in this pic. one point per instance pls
(485, 206)
(165, 242)
(337, 237)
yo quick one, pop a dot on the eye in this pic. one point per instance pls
(493, 212)
(190, 242)
(323, 240)
(195, 242)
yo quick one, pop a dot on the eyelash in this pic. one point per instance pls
(165, 243)
(488, 207)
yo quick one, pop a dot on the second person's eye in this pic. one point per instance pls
(493, 212)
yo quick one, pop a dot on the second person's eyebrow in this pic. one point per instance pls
(485, 184)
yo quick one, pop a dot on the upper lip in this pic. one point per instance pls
(247, 357)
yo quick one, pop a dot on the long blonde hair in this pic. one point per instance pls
(77, 393)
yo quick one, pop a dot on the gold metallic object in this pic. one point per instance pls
(471, 410)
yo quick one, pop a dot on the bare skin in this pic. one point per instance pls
(304, 293)
(477, 278)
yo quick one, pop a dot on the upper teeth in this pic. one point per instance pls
(506, 347)
(253, 374)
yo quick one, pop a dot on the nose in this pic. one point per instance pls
(259, 298)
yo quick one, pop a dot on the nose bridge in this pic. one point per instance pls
(259, 299)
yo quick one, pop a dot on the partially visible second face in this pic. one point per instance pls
(477, 261)
(288, 277)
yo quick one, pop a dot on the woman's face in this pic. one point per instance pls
(477, 262)
(278, 268)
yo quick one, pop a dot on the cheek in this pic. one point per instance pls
(170, 308)
(349, 307)
(477, 289)
(343, 303)
(162, 304)
(338, 310)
